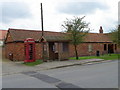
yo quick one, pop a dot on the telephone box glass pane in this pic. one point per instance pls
(30, 51)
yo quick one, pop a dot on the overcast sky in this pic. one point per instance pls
(25, 14)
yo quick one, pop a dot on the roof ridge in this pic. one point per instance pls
(22, 30)
(3, 30)
(32, 30)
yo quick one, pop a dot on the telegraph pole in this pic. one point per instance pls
(42, 19)
(42, 31)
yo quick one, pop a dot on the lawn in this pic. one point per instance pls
(105, 57)
(33, 63)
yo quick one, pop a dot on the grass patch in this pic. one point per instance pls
(33, 63)
(110, 57)
(105, 57)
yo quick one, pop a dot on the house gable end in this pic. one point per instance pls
(8, 38)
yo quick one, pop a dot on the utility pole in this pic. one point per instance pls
(42, 31)
(42, 19)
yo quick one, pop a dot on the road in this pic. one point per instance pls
(102, 75)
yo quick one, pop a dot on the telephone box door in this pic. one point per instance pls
(29, 50)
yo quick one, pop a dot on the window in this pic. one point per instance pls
(65, 47)
(105, 47)
(55, 47)
(115, 46)
(30, 51)
(45, 47)
(89, 47)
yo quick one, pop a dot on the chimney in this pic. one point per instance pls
(100, 30)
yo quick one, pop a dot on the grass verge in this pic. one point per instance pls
(33, 63)
(105, 57)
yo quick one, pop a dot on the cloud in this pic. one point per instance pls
(14, 10)
(77, 8)
(98, 13)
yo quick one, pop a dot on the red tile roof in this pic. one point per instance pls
(97, 37)
(3, 34)
(20, 35)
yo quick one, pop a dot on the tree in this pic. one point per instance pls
(75, 29)
(115, 35)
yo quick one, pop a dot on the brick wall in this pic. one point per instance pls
(83, 49)
(118, 50)
(9, 48)
(9, 38)
(19, 52)
(17, 49)
(38, 51)
(63, 54)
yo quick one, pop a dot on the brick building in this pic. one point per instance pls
(56, 46)
(2, 36)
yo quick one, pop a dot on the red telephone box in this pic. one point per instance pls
(29, 50)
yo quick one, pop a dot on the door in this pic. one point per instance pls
(29, 53)
(29, 50)
(110, 48)
(53, 55)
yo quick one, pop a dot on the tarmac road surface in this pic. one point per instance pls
(102, 75)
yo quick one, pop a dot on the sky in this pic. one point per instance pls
(26, 14)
